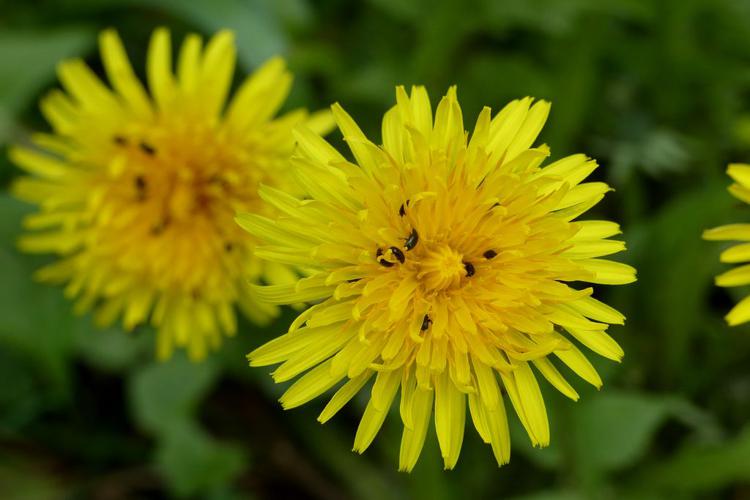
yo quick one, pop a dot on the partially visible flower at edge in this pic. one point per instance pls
(740, 253)
(439, 265)
(137, 191)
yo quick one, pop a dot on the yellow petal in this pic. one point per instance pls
(38, 164)
(386, 385)
(85, 86)
(607, 272)
(450, 416)
(189, 64)
(347, 391)
(735, 254)
(487, 384)
(739, 313)
(216, 71)
(121, 74)
(260, 95)
(529, 130)
(577, 362)
(740, 172)
(599, 342)
(159, 68)
(532, 402)
(735, 277)
(739, 232)
(554, 377)
(596, 229)
(355, 139)
(412, 439)
(598, 311)
(311, 385)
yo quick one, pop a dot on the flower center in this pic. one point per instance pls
(441, 267)
(173, 198)
(183, 176)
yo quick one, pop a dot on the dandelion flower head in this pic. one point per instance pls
(137, 190)
(444, 266)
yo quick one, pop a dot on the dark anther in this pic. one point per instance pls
(354, 280)
(398, 254)
(412, 240)
(140, 187)
(228, 246)
(490, 254)
(469, 269)
(147, 148)
(120, 140)
(495, 205)
(381, 260)
(159, 228)
(402, 209)
(426, 322)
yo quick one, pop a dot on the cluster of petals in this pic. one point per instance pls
(441, 265)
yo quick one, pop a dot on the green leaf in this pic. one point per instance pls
(606, 431)
(21, 401)
(29, 60)
(704, 467)
(256, 26)
(614, 429)
(164, 398)
(112, 349)
(35, 320)
(193, 462)
(678, 266)
(162, 394)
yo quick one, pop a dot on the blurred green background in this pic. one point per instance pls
(658, 92)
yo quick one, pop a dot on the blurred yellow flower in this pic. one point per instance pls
(438, 265)
(738, 253)
(137, 193)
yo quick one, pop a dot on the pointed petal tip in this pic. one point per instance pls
(284, 404)
(225, 33)
(108, 33)
(504, 461)
(336, 107)
(733, 320)
(358, 449)
(252, 360)
(65, 64)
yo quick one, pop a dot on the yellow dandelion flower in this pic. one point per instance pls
(137, 193)
(439, 265)
(738, 276)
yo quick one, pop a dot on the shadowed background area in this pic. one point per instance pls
(658, 92)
